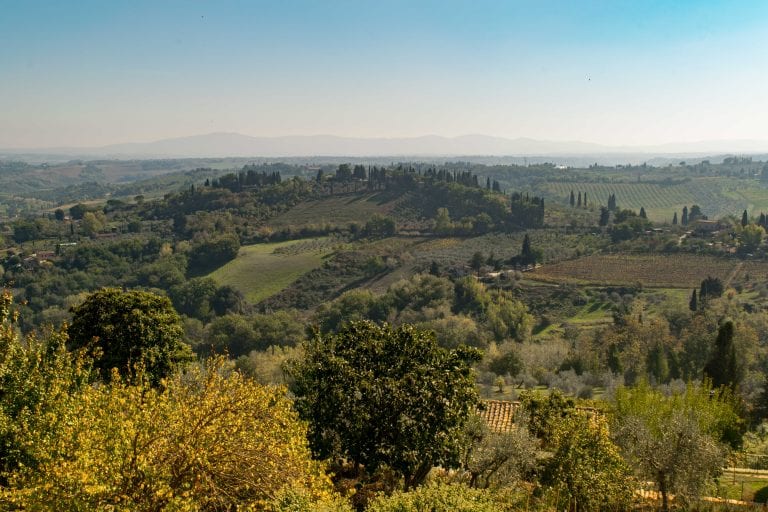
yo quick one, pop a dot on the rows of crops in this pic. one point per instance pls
(338, 210)
(716, 196)
(670, 271)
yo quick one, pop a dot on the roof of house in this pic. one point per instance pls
(499, 414)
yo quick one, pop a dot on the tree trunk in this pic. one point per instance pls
(417, 477)
(663, 491)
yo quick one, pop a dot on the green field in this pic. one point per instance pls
(717, 197)
(261, 270)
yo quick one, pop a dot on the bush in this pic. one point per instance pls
(437, 498)
(210, 440)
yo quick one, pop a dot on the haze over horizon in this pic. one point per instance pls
(637, 74)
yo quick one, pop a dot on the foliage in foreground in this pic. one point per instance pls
(440, 498)
(211, 439)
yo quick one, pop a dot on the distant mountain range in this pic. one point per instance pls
(238, 145)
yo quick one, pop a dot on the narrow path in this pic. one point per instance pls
(735, 272)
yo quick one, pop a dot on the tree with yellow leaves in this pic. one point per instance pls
(209, 439)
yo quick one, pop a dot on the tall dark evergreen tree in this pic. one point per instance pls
(693, 304)
(585, 200)
(684, 220)
(573, 199)
(674, 219)
(488, 183)
(724, 367)
(643, 215)
(605, 216)
(762, 219)
(578, 202)
(744, 219)
(527, 256)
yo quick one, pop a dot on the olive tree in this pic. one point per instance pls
(678, 440)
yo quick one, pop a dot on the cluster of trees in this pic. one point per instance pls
(578, 202)
(627, 224)
(688, 217)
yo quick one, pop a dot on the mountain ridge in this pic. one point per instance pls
(231, 144)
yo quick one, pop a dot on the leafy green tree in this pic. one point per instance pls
(77, 211)
(508, 363)
(58, 214)
(677, 440)
(193, 298)
(129, 330)
(212, 253)
(696, 214)
(344, 172)
(586, 466)
(92, 223)
(25, 230)
(226, 299)
(477, 261)
(443, 222)
(751, 237)
(380, 226)
(711, 287)
(377, 395)
(544, 413)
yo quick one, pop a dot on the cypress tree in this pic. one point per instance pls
(573, 199)
(674, 219)
(723, 367)
(744, 219)
(684, 220)
(642, 213)
(693, 304)
(578, 202)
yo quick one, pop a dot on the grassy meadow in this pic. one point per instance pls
(261, 270)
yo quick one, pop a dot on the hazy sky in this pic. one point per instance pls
(88, 73)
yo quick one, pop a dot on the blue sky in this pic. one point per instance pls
(616, 72)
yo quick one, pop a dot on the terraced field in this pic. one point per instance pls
(663, 271)
(717, 197)
(337, 211)
(261, 270)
